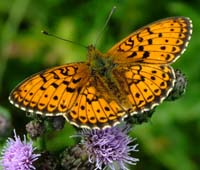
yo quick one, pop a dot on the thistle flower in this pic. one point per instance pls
(179, 86)
(18, 155)
(109, 148)
(35, 128)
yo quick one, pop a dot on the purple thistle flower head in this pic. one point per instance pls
(109, 147)
(18, 155)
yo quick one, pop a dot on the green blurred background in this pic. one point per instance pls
(170, 141)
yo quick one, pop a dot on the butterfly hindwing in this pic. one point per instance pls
(94, 107)
(148, 85)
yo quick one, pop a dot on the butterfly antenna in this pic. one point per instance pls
(52, 35)
(106, 23)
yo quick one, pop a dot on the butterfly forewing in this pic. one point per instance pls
(158, 43)
(51, 92)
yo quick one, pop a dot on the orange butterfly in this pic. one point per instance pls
(132, 77)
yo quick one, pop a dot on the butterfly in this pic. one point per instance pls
(134, 76)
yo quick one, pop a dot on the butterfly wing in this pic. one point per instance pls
(51, 92)
(95, 107)
(160, 42)
(148, 84)
(70, 91)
